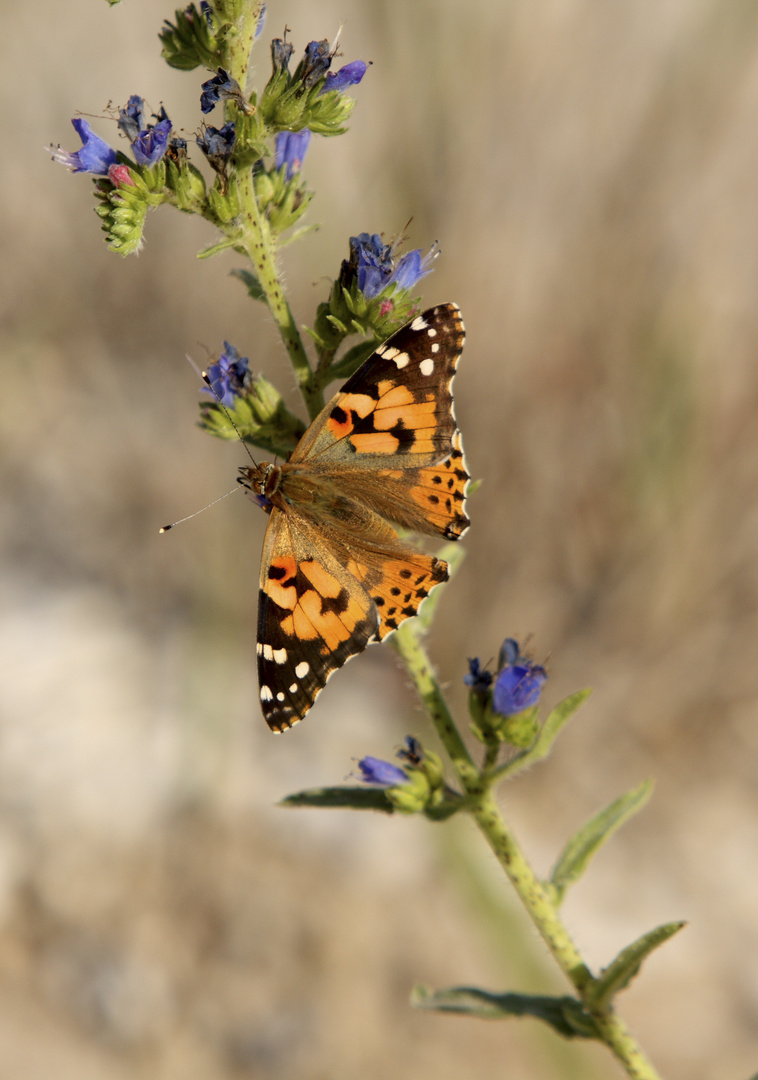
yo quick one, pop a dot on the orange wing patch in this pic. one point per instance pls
(399, 585)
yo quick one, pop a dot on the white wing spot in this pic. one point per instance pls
(302, 669)
(432, 332)
(436, 347)
(293, 688)
(268, 652)
(419, 323)
(426, 367)
(280, 696)
(381, 350)
(280, 655)
(259, 648)
(389, 352)
(402, 359)
(266, 694)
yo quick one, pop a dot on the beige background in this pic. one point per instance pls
(590, 170)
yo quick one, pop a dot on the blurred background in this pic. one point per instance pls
(590, 171)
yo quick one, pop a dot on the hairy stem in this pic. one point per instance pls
(481, 804)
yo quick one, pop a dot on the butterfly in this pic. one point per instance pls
(384, 453)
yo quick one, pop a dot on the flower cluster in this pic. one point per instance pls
(416, 787)
(503, 705)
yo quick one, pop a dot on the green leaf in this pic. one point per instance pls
(251, 283)
(622, 970)
(353, 798)
(586, 841)
(551, 729)
(566, 1015)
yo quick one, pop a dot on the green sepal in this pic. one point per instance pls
(342, 798)
(189, 41)
(565, 1015)
(224, 204)
(586, 841)
(622, 970)
(287, 105)
(259, 417)
(557, 718)
(349, 312)
(188, 185)
(123, 209)
(250, 136)
(520, 729)
(283, 201)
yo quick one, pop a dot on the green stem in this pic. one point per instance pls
(257, 244)
(481, 804)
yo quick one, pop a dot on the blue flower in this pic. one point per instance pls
(412, 752)
(519, 682)
(229, 376)
(290, 150)
(478, 678)
(220, 87)
(281, 54)
(131, 119)
(374, 264)
(217, 144)
(349, 75)
(315, 63)
(381, 773)
(151, 144)
(95, 156)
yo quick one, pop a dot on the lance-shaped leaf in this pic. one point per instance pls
(622, 970)
(584, 843)
(556, 720)
(566, 1015)
(352, 798)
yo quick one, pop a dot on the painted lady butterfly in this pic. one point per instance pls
(335, 576)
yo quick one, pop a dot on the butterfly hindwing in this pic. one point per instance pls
(312, 617)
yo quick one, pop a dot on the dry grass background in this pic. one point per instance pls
(590, 170)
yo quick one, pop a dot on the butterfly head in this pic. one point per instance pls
(261, 482)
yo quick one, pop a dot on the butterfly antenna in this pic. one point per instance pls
(165, 528)
(227, 414)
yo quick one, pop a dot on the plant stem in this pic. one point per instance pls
(481, 804)
(257, 244)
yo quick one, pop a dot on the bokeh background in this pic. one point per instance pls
(590, 171)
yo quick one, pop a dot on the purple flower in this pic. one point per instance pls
(290, 150)
(220, 87)
(281, 53)
(519, 682)
(207, 10)
(229, 376)
(349, 75)
(381, 773)
(315, 63)
(151, 144)
(131, 119)
(95, 156)
(478, 678)
(374, 264)
(412, 752)
(217, 144)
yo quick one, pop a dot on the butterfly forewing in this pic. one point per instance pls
(334, 574)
